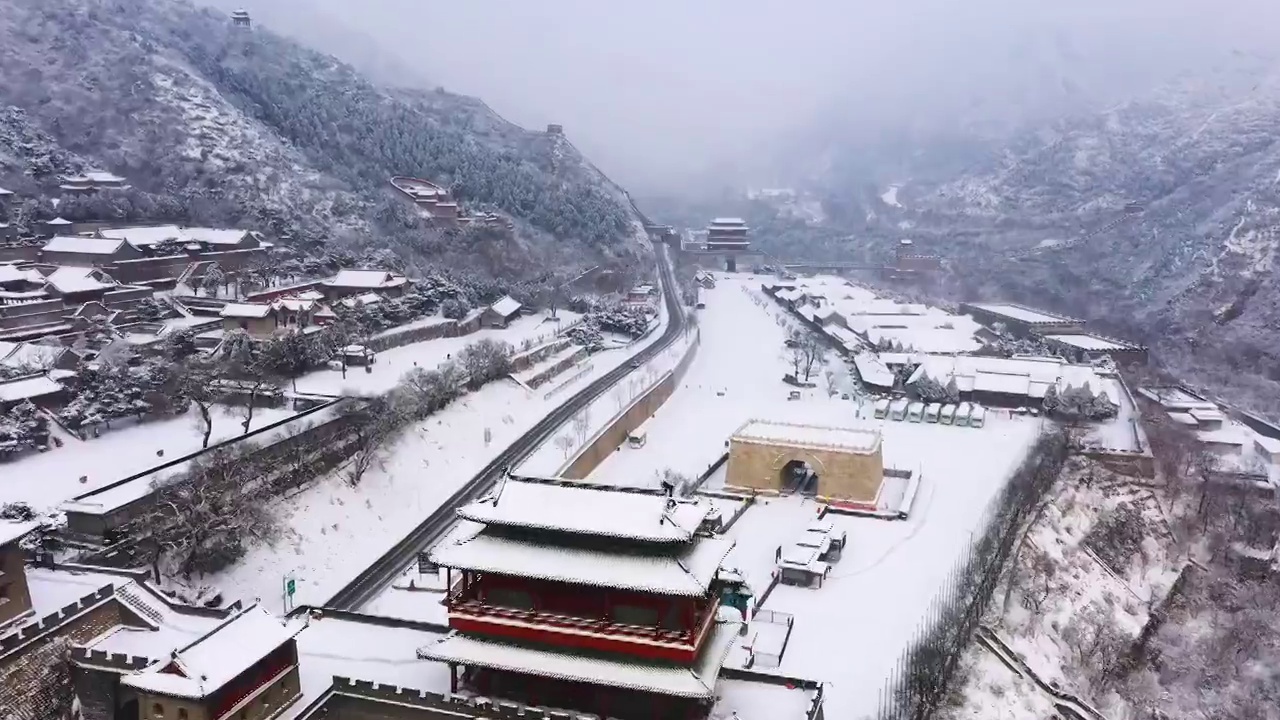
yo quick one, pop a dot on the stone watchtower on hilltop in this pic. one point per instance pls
(240, 19)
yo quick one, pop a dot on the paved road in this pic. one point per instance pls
(373, 579)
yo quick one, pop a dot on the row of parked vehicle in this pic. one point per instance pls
(965, 414)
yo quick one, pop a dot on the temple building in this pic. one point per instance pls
(727, 234)
(591, 600)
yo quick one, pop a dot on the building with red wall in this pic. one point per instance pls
(593, 600)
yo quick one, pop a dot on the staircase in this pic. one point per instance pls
(185, 284)
(132, 599)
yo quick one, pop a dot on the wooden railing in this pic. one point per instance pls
(553, 621)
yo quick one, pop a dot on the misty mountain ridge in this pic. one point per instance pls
(218, 125)
(1156, 219)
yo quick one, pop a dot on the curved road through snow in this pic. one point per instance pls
(377, 576)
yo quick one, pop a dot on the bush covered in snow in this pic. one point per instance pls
(1079, 403)
(587, 334)
(630, 321)
(455, 308)
(22, 427)
(930, 390)
(104, 391)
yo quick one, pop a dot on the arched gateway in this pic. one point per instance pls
(766, 455)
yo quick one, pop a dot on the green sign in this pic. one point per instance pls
(289, 586)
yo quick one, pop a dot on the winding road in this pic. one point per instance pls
(377, 576)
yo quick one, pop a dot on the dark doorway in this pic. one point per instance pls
(128, 710)
(799, 477)
(731, 264)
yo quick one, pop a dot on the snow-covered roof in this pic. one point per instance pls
(4, 192)
(369, 298)
(245, 310)
(145, 236)
(728, 221)
(365, 279)
(29, 354)
(295, 304)
(59, 221)
(675, 680)
(872, 371)
(12, 273)
(26, 388)
(217, 658)
(685, 569)
(1021, 375)
(791, 295)
(93, 176)
(1088, 342)
(506, 306)
(13, 530)
(68, 279)
(85, 245)
(1023, 314)
(587, 511)
(859, 440)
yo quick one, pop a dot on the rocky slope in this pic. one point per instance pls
(221, 125)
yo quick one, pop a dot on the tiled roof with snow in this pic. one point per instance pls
(84, 245)
(26, 388)
(12, 273)
(13, 530)
(29, 354)
(1023, 314)
(872, 371)
(728, 221)
(506, 306)
(59, 221)
(860, 440)
(219, 657)
(1019, 375)
(365, 279)
(245, 310)
(674, 680)
(144, 236)
(1089, 342)
(5, 192)
(686, 569)
(68, 279)
(586, 511)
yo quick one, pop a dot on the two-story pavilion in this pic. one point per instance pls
(586, 599)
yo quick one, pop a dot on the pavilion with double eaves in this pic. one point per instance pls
(587, 599)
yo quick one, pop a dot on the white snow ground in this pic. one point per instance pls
(333, 530)
(49, 478)
(852, 630)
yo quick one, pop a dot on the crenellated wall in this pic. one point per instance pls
(25, 633)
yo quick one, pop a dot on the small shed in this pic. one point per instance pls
(501, 313)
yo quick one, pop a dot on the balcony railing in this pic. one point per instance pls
(690, 638)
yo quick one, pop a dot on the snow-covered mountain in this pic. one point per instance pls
(1157, 218)
(215, 124)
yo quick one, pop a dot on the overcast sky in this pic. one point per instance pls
(663, 90)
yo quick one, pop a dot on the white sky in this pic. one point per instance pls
(661, 90)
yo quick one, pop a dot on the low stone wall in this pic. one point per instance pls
(633, 416)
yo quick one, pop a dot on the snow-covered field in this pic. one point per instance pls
(852, 630)
(46, 479)
(392, 364)
(334, 530)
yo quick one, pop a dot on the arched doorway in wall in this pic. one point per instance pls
(798, 476)
(731, 264)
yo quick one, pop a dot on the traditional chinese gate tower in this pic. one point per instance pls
(593, 600)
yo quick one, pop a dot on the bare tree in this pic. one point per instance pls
(201, 521)
(620, 397)
(372, 425)
(196, 377)
(565, 443)
(582, 424)
(813, 353)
